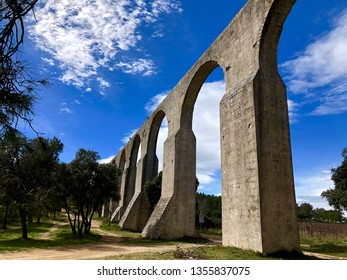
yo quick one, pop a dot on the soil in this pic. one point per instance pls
(109, 245)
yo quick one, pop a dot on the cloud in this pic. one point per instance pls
(144, 67)
(206, 129)
(103, 84)
(66, 110)
(106, 160)
(128, 136)
(49, 61)
(313, 184)
(334, 101)
(292, 111)
(320, 71)
(155, 101)
(315, 201)
(83, 36)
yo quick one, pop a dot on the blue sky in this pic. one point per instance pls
(111, 62)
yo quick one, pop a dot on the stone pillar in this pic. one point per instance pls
(118, 212)
(258, 197)
(174, 215)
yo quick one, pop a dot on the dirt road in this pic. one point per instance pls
(109, 245)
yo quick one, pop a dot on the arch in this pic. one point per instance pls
(122, 160)
(257, 179)
(154, 131)
(131, 178)
(193, 90)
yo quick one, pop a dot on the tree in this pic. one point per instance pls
(17, 85)
(152, 190)
(28, 166)
(86, 186)
(337, 196)
(320, 214)
(305, 211)
(210, 207)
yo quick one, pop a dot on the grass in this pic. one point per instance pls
(336, 247)
(194, 248)
(135, 238)
(11, 240)
(211, 252)
(14, 231)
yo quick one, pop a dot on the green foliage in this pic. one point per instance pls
(324, 245)
(305, 211)
(210, 207)
(153, 190)
(16, 82)
(83, 186)
(10, 239)
(337, 196)
(323, 215)
(27, 167)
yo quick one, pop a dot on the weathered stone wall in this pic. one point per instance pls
(257, 179)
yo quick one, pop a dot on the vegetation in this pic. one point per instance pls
(327, 245)
(83, 187)
(26, 175)
(17, 85)
(337, 196)
(209, 211)
(305, 211)
(10, 238)
(33, 182)
(152, 190)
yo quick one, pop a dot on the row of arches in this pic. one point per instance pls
(257, 181)
(140, 160)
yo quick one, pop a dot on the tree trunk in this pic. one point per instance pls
(89, 224)
(80, 225)
(69, 218)
(39, 219)
(4, 225)
(23, 219)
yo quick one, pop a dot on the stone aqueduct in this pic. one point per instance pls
(258, 199)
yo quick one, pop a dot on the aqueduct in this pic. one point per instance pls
(258, 199)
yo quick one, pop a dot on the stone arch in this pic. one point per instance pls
(132, 171)
(138, 211)
(193, 90)
(257, 178)
(152, 160)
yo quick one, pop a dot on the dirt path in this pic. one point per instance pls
(109, 245)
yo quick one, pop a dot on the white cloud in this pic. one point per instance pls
(66, 110)
(103, 83)
(315, 201)
(106, 160)
(333, 101)
(49, 61)
(206, 129)
(155, 101)
(292, 111)
(128, 136)
(144, 67)
(322, 66)
(82, 36)
(313, 184)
